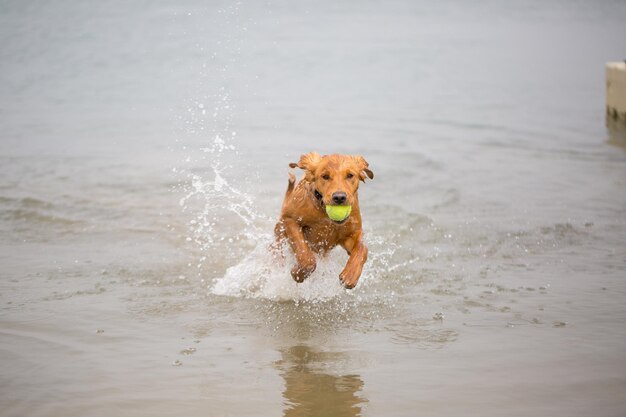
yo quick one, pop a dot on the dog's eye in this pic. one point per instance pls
(326, 177)
(350, 175)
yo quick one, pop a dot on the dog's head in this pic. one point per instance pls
(336, 177)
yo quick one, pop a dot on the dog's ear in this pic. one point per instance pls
(363, 168)
(308, 162)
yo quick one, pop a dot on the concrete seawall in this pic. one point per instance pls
(616, 89)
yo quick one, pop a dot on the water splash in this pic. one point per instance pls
(217, 203)
(262, 274)
(225, 222)
(255, 271)
(220, 211)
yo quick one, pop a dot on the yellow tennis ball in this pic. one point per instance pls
(338, 213)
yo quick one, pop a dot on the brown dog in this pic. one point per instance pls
(328, 180)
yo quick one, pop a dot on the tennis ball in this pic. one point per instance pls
(338, 213)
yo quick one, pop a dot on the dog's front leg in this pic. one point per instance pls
(358, 255)
(305, 259)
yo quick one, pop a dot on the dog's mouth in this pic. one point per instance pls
(337, 214)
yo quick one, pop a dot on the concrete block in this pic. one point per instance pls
(616, 89)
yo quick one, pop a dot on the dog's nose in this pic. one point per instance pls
(339, 198)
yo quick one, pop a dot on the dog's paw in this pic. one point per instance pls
(300, 272)
(349, 278)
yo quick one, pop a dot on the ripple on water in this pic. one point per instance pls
(421, 333)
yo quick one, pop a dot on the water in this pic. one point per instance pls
(143, 158)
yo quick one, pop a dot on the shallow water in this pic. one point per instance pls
(143, 158)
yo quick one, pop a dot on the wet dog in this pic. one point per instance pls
(328, 180)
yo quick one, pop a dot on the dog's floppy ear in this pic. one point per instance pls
(308, 162)
(363, 168)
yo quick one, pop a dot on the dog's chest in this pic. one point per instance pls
(323, 236)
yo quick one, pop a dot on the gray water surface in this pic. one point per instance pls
(143, 159)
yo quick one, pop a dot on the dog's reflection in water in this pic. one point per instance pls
(312, 390)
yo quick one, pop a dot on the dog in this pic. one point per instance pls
(304, 224)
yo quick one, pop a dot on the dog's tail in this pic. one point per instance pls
(290, 185)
